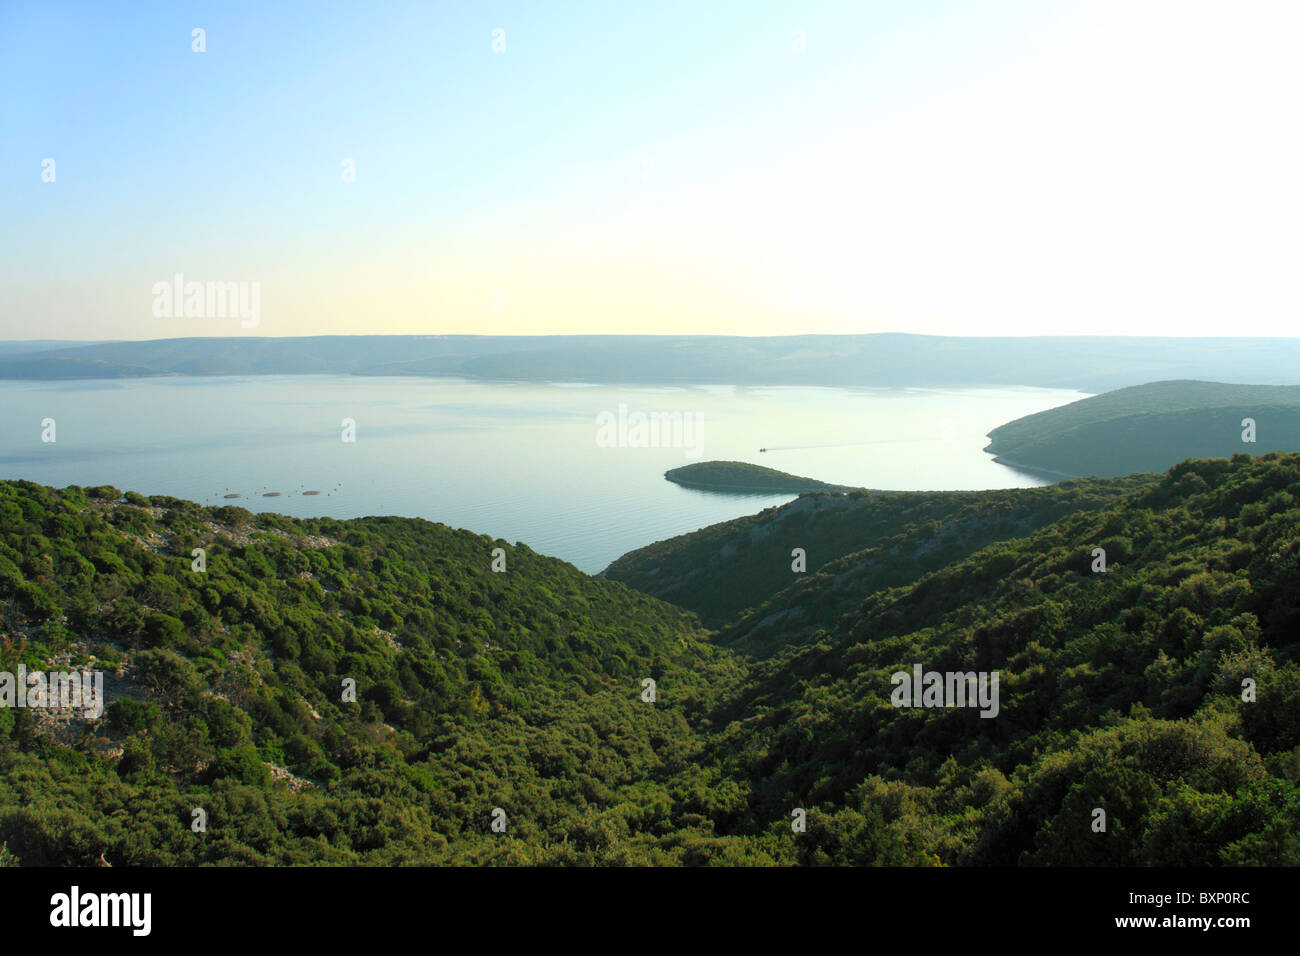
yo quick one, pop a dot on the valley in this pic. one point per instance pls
(520, 690)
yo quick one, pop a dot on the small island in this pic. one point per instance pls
(739, 477)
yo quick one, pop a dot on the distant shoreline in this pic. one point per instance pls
(1035, 469)
(878, 360)
(732, 489)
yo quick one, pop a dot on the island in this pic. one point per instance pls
(739, 477)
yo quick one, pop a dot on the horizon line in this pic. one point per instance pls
(633, 335)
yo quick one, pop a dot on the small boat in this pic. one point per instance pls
(270, 494)
(232, 496)
(762, 449)
(311, 492)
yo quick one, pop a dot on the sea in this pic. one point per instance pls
(572, 470)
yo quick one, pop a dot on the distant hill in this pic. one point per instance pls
(1090, 364)
(28, 346)
(1150, 428)
(743, 478)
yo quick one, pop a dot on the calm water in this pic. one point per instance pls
(519, 462)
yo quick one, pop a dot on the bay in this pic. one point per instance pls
(515, 461)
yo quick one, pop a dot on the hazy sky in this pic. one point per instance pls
(967, 168)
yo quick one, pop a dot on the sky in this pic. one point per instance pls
(982, 167)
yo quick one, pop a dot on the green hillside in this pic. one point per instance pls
(521, 690)
(742, 477)
(1150, 427)
(1120, 690)
(475, 690)
(729, 572)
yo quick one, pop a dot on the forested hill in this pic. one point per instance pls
(1150, 427)
(1164, 689)
(732, 572)
(519, 689)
